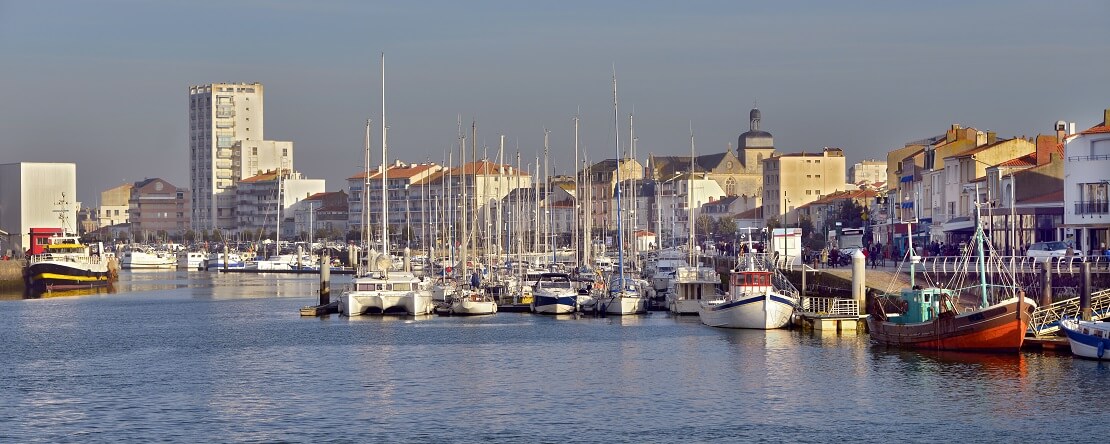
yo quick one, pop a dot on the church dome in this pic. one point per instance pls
(754, 137)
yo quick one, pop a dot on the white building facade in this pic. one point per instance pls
(220, 114)
(36, 195)
(1087, 188)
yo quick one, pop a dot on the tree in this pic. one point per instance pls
(726, 226)
(705, 225)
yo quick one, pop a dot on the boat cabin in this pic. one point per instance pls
(40, 238)
(924, 304)
(750, 281)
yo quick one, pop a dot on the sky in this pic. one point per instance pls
(105, 84)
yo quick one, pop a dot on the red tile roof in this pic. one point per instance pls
(267, 176)
(1055, 196)
(1023, 161)
(1097, 129)
(399, 172)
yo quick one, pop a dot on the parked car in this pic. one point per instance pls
(1044, 251)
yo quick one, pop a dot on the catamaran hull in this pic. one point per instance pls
(359, 303)
(762, 312)
(1000, 328)
(554, 304)
(49, 275)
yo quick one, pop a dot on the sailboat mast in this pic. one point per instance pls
(689, 203)
(365, 219)
(577, 197)
(385, 171)
(617, 190)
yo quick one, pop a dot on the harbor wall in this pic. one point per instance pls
(11, 274)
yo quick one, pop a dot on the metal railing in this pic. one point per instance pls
(825, 306)
(1092, 207)
(1046, 319)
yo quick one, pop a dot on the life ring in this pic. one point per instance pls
(1101, 348)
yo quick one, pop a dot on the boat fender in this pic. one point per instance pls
(1101, 349)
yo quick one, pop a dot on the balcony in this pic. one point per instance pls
(1092, 207)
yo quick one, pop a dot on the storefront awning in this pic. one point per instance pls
(961, 223)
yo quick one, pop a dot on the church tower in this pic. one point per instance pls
(754, 145)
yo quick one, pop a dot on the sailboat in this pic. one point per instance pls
(377, 289)
(932, 317)
(692, 282)
(470, 300)
(623, 296)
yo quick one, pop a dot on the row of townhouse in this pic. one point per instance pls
(1050, 187)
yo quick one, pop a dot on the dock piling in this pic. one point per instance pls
(1085, 295)
(859, 279)
(1046, 285)
(325, 279)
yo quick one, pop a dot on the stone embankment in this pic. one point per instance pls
(11, 274)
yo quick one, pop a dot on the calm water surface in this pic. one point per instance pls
(198, 357)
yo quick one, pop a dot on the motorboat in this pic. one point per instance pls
(691, 286)
(1088, 339)
(137, 258)
(554, 293)
(192, 260)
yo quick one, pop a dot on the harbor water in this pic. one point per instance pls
(208, 357)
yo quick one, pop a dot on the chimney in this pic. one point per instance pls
(1061, 130)
(992, 137)
(1106, 117)
(1046, 145)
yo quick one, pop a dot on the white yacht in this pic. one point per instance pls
(554, 293)
(143, 258)
(234, 261)
(758, 297)
(192, 260)
(692, 285)
(385, 292)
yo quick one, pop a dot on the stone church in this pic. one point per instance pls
(739, 173)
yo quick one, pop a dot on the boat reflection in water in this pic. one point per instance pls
(43, 294)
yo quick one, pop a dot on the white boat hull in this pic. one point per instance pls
(762, 311)
(137, 260)
(1086, 344)
(624, 305)
(684, 306)
(467, 307)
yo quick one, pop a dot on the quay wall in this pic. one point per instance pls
(11, 274)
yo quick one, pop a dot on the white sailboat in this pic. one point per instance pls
(377, 289)
(623, 296)
(470, 300)
(693, 282)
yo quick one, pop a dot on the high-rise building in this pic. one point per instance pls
(220, 116)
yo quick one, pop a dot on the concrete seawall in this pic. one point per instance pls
(11, 275)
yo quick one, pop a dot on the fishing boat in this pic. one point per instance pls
(65, 263)
(759, 297)
(933, 317)
(1088, 339)
(554, 293)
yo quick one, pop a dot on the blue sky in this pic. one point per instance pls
(104, 84)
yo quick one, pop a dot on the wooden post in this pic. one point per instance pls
(325, 279)
(803, 289)
(225, 256)
(1085, 296)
